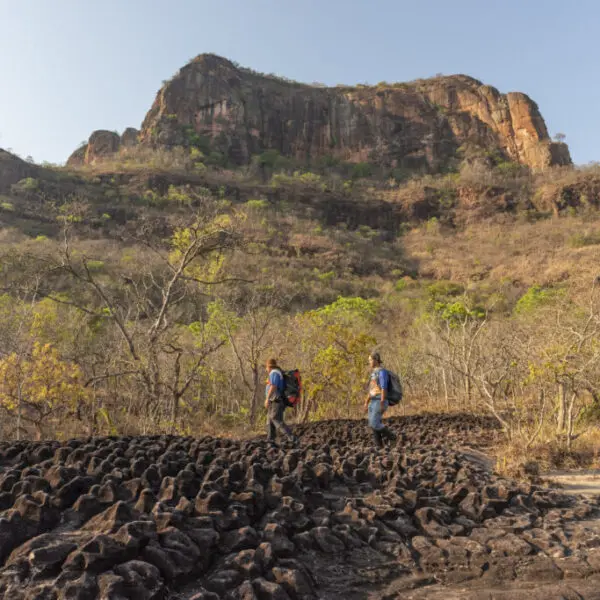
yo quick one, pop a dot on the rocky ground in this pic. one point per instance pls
(181, 518)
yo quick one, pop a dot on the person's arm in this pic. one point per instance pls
(271, 389)
(275, 384)
(270, 392)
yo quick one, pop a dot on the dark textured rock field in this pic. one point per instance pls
(163, 517)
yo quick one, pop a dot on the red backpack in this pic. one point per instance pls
(293, 387)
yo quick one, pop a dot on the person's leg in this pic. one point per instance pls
(386, 432)
(286, 427)
(279, 423)
(377, 439)
(375, 414)
(372, 417)
(375, 421)
(271, 432)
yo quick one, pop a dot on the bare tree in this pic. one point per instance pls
(155, 346)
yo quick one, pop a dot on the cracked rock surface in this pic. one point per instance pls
(166, 517)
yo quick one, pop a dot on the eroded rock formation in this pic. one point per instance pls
(420, 125)
(166, 517)
(103, 144)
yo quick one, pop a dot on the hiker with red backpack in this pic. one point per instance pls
(282, 391)
(384, 390)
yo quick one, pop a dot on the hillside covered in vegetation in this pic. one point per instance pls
(143, 293)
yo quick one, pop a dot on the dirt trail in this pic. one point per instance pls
(569, 481)
(586, 482)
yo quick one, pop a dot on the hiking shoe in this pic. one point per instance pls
(388, 435)
(291, 442)
(377, 439)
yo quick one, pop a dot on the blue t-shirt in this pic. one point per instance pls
(380, 380)
(276, 379)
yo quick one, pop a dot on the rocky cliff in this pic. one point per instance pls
(425, 124)
(103, 144)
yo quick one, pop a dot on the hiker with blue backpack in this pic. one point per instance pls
(283, 390)
(385, 390)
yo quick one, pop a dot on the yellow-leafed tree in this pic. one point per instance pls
(337, 339)
(39, 386)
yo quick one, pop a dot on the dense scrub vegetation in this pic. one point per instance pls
(144, 295)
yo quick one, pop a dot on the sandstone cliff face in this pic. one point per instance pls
(103, 144)
(419, 125)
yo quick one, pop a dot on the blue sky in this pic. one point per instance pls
(69, 67)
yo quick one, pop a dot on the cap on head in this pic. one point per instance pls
(376, 357)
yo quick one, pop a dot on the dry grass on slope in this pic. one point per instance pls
(544, 252)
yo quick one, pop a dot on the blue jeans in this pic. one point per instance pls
(376, 414)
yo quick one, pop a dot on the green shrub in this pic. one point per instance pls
(194, 139)
(433, 225)
(196, 154)
(400, 174)
(456, 313)
(444, 289)
(367, 232)
(152, 198)
(257, 204)
(535, 297)
(178, 196)
(509, 168)
(29, 184)
(361, 171)
(95, 265)
(325, 277)
(308, 179)
(268, 158)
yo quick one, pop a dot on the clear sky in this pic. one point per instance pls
(68, 67)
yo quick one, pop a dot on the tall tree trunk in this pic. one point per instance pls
(255, 394)
(446, 397)
(20, 396)
(570, 420)
(174, 413)
(468, 391)
(562, 407)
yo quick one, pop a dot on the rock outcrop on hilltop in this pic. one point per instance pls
(103, 144)
(421, 125)
(13, 169)
(176, 518)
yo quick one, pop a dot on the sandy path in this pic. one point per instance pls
(586, 482)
